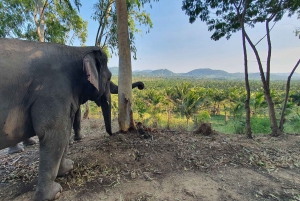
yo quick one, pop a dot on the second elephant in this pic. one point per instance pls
(113, 90)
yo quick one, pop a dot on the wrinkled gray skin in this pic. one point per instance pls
(41, 88)
(113, 90)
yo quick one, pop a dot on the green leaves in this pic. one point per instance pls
(13, 16)
(222, 16)
(105, 14)
(62, 23)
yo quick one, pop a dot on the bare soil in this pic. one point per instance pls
(164, 165)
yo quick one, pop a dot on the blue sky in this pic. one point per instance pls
(175, 44)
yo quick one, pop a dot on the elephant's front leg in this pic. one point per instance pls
(77, 125)
(53, 148)
(66, 164)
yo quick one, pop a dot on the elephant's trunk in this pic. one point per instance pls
(106, 110)
(115, 88)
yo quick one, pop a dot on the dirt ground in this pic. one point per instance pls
(164, 165)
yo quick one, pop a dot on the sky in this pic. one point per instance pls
(175, 44)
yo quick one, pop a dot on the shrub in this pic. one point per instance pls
(260, 125)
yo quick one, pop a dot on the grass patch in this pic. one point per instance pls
(260, 125)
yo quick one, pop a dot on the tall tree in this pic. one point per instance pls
(105, 14)
(125, 72)
(125, 69)
(39, 10)
(43, 20)
(287, 96)
(226, 17)
(106, 37)
(241, 8)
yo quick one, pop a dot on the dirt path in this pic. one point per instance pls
(168, 165)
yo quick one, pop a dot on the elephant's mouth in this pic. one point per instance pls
(99, 100)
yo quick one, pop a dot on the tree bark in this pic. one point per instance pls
(40, 22)
(287, 96)
(247, 102)
(125, 73)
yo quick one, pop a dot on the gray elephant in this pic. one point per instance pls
(41, 88)
(113, 90)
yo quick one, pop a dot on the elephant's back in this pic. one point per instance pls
(33, 50)
(22, 50)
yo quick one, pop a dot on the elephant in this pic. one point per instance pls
(113, 90)
(42, 86)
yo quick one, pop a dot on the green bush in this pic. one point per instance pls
(292, 125)
(239, 126)
(201, 117)
(260, 125)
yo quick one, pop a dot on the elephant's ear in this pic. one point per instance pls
(90, 68)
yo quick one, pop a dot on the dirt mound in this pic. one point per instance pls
(204, 129)
(169, 165)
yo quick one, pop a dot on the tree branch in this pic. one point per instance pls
(265, 35)
(287, 95)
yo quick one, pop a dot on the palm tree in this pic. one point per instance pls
(217, 96)
(258, 101)
(190, 103)
(237, 97)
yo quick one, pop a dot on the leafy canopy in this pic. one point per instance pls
(105, 14)
(222, 16)
(62, 22)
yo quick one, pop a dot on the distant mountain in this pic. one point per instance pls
(204, 73)
(114, 70)
(162, 73)
(207, 72)
(145, 71)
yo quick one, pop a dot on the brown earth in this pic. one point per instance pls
(164, 165)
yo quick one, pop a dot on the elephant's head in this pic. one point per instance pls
(98, 75)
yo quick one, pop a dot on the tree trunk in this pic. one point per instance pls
(287, 96)
(226, 117)
(247, 102)
(274, 126)
(247, 86)
(40, 22)
(125, 73)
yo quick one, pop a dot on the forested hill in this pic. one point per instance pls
(205, 73)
